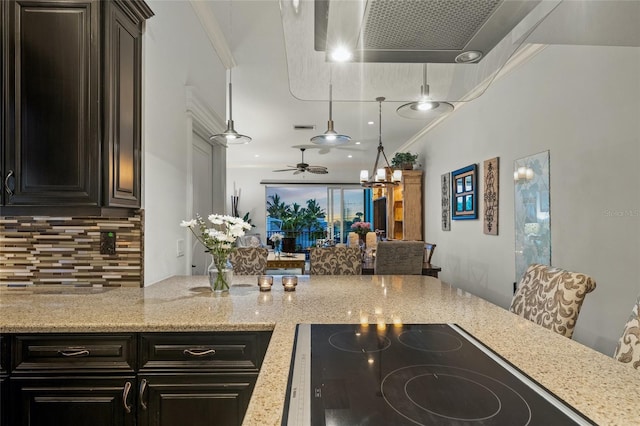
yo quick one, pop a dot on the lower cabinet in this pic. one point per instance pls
(78, 401)
(194, 399)
(3, 402)
(102, 379)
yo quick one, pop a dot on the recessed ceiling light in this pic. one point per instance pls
(370, 123)
(349, 156)
(469, 56)
(341, 54)
(257, 155)
(358, 143)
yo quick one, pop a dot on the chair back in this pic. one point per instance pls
(551, 297)
(399, 258)
(249, 260)
(429, 248)
(628, 349)
(335, 261)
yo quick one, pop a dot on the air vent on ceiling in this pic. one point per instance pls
(416, 31)
(304, 126)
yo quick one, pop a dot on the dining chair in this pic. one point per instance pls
(551, 297)
(399, 258)
(429, 248)
(628, 348)
(249, 260)
(335, 261)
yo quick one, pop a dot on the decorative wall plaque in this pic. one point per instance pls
(446, 203)
(491, 196)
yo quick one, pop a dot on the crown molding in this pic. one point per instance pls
(206, 122)
(214, 32)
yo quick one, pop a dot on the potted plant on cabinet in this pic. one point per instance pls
(404, 160)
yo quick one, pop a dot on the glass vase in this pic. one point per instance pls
(220, 274)
(277, 249)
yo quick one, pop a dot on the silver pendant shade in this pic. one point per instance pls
(330, 137)
(230, 136)
(424, 108)
(380, 176)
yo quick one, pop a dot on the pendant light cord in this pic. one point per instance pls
(330, 91)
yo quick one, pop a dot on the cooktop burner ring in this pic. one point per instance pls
(496, 403)
(359, 342)
(430, 341)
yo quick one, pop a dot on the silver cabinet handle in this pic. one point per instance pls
(196, 352)
(6, 183)
(74, 352)
(125, 397)
(143, 387)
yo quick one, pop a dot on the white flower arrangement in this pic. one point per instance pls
(221, 237)
(276, 237)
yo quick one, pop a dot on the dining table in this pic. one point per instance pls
(592, 383)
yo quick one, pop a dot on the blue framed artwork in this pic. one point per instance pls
(465, 194)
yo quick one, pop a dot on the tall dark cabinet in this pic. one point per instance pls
(71, 81)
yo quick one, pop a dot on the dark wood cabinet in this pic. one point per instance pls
(52, 71)
(71, 104)
(196, 399)
(113, 379)
(78, 401)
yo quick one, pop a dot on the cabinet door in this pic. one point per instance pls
(194, 399)
(51, 102)
(3, 402)
(78, 401)
(122, 100)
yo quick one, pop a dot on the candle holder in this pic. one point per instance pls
(265, 282)
(289, 282)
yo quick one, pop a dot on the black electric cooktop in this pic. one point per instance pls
(411, 374)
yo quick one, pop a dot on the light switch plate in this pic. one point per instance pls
(180, 248)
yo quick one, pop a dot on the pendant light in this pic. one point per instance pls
(379, 176)
(330, 137)
(424, 108)
(230, 136)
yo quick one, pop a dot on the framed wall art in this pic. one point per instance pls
(491, 198)
(464, 193)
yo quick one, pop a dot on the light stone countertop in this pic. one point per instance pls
(603, 389)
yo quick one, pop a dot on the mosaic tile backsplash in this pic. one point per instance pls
(66, 250)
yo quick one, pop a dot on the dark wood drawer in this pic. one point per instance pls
(211, 351)
(4, 364)
(59, 352)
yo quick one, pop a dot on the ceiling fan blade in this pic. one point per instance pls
(285, 170)
(297, 172)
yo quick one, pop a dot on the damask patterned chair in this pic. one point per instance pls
(628, 349)
(249, 260)
(335, 261)
(399, 258)
(551, 297)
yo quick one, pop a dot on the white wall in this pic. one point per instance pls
(583, 104)
(177, 53)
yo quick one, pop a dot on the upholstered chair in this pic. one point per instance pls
(551, 297)
(249, 260)
(628, 349)
(335, 261)
(399, 258)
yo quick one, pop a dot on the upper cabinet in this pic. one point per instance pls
(71, 104)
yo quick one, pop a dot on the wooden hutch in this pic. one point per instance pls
(400, 207)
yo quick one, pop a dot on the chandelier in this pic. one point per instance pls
(379, 176)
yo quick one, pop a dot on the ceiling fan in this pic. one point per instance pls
(302, 167)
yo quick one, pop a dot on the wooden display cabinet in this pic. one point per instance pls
(404, 206)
